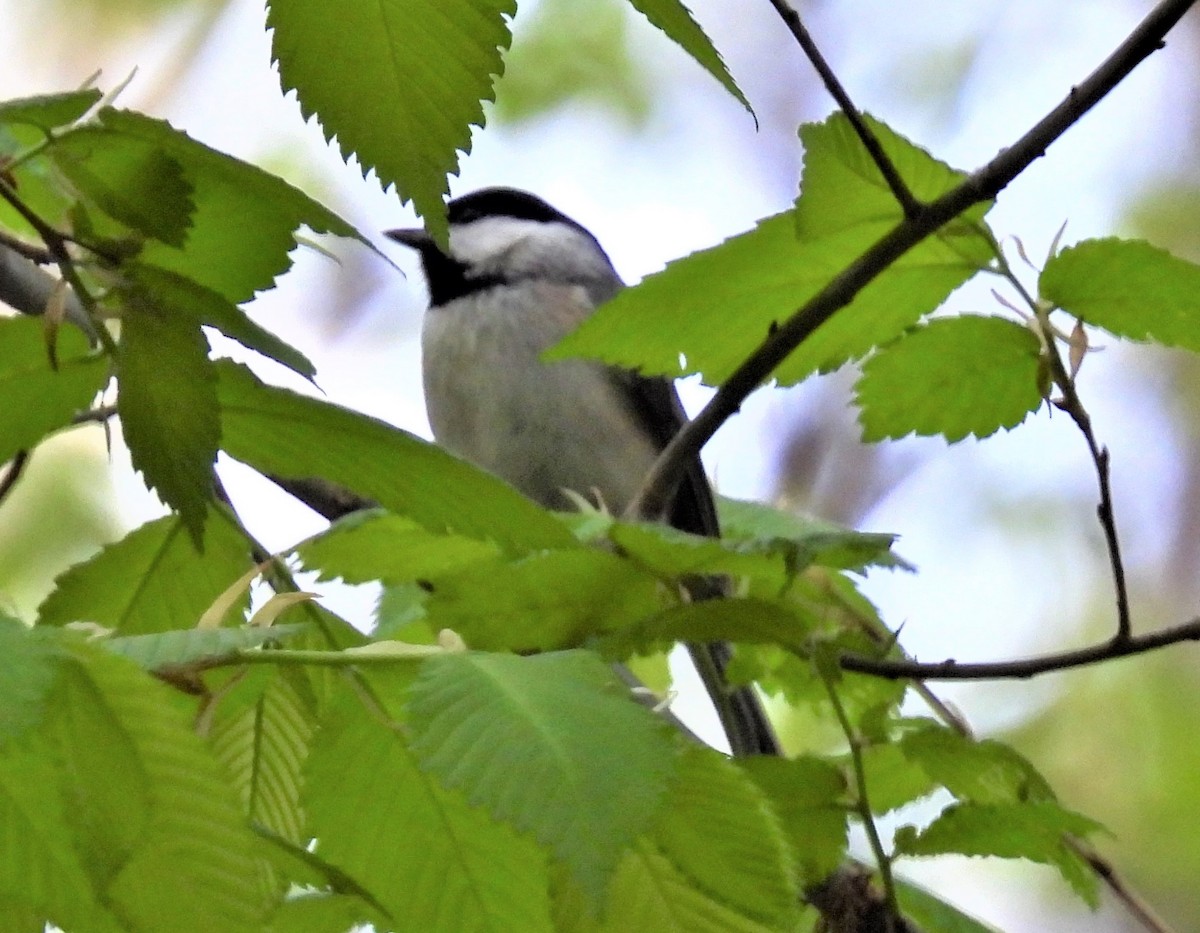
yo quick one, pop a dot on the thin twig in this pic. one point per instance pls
(1133, 901)
(983, 185)
(1072, 404)
(30, 251)
(900, 191)
(862, 804)
(16, 468)
(98, 415)
(1021, 668)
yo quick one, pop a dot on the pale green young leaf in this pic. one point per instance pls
(152, 580)
(243, 227)
(968, 375)
(377, 545)
(671, 553)
(719, 829)
(1036, 831)
(981, 771)
(824, 543)
(152, 803)
(435, 862)
(399, 84)
(286, 434)
(810, 798)
(551, 745)
(1129, 288)
(183, 646)
(555, 599)
(37, 398)
(130, 179)
(181, 297)
(48, 111)
(167, 402)
(892, 779)
(676, 20)
(707, 312)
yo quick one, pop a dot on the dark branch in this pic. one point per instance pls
(908, 203)
(981, 186)
(16, 468)
(1022, 668)
(327, 499)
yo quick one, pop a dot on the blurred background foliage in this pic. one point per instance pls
(608, 120)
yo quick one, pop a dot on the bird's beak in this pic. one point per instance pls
(413, 237)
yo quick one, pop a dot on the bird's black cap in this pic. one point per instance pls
(447, 277)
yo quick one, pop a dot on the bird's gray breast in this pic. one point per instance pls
(543, 427)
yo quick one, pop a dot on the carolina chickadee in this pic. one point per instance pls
(519, 276)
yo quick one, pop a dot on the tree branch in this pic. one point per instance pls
(27, 288)
(1022, 668)
(982, 185)
(908, 203)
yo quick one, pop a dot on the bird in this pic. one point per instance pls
(516, 277)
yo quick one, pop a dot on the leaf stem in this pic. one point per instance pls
(1073, 405)
(862, 804)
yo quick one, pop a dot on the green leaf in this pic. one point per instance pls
(550, 600)
(933, 914)
(719, 829)
(181, 297)
(810, 798)
(953, 377)
(28, 667)
(152, 580)
(152, 803)
(1034, 831)
(648, 892)
(163, 649)
(129, 179)
(1129, 288)
(548, 744)
(321, 913)
(47, 111)
(37, 398)
(715, 307)
(286, 434)
(377, 545)
(892, 779)
(748, 621)
(824, 543)
(432, 860)
(981, 771)
(672, 554)
(568, 55)
(262, 745)
(167, 401)
(411, 70)
(674, 19)
(244, 223)
(40, 866)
